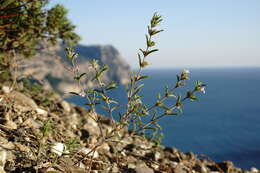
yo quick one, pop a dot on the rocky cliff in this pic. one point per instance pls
(49, 66)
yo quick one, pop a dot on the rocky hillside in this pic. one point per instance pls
(49, 66)
(40, 132)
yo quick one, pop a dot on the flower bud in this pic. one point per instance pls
(145, 63)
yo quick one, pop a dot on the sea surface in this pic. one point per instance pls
(223, 124)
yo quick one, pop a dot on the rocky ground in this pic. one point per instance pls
(40, 132)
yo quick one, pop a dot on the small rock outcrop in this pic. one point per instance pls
(50, 66)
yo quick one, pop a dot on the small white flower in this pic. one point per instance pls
(58, 148)
(186, 71)
(138, 101)
(82, 94)
(178, 107)
(203, 90)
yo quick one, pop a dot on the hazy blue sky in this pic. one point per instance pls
(197, 32)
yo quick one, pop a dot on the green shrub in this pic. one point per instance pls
(28, 26)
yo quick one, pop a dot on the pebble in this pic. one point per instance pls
(65, 105)
(11, 124)
(23, 100)
(143, 169)
(104, 148)
(58, 148)
(254, 170)
(32, 123)
(173, 164)
(41, 111)
(3, 157)
(90, 152)
(6, 89)
(157, 155)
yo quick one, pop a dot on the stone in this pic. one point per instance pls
(254, 170)
(155, 166)
(65, 105)
(32, 123)
(115, 169)
(6, 89)
(22, 148)
(22, 99)
(190, 156)
(92, 127)
(89, 152)
(84, 134)
(104, 148)
(131, 165)
(226, 166)
(10, 124)
(173, 164)
(142, 168)
(182, 167)
(130, 147)
(171, 150)
(52, 170)
(131, 162)
(41, 111)
(3, 158)
(200, 168)
(58, 148)
(154, 155)
(2, 170)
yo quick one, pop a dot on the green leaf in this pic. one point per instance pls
(146, 53)
(137, 89)
(74, 93)
(114, 108)
(79, 77)
(159, 96)
(140, 60)
(111, 85)
(151, 51)
(103, 69)
(191, 96)
(150, 128)
(142, 77)
(170, 113)
(178, 78)
(113, 101)
(147, 40)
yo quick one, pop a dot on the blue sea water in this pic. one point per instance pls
(223, 124)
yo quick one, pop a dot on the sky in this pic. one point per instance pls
(197, 33)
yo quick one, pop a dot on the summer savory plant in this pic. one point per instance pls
(136, 111)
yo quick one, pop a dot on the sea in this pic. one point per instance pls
(223, 124)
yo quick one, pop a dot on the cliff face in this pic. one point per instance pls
(49, 66)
